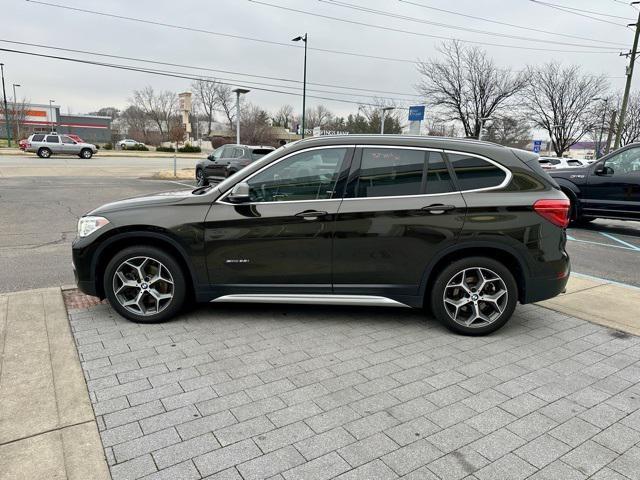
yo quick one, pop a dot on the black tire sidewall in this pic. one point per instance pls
(45, 151)
(437, 292)
(83, 154)
(201, 180)
(179, 282)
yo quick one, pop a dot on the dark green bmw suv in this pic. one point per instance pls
(466, 229)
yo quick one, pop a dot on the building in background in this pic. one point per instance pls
(38, 118)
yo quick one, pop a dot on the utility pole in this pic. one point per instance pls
(600, 150)
(238, 92)
(6, 109)
(15, 106)
(612, 127)
(384, 110)
(627, 87)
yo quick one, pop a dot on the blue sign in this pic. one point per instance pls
(537, 145)
(416, 113)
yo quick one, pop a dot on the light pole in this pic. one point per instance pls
(238, 92)
(304, 78)
(51, 113)
(482, 120)
(6, 109)
(384, 110)
(15, 104)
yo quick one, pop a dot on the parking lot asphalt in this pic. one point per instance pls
(294, 392)
(38, 223)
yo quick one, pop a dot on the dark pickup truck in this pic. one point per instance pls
(608, 188)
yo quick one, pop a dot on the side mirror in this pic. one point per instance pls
(240, 193)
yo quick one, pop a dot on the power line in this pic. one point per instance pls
(220, 34)
(583, 10)
(185, 76)
(420, 34)
(563, 9)
(498, 22)
(387, 14)
(143, 60)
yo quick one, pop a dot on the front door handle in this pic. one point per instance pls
(438, 209)
(311, 214)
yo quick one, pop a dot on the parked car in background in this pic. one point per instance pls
(128, 142)
(227, 160)
(22, 144)
(351, 220)
(552, 163)
(46, 145)
(609, 188)
(75, 137)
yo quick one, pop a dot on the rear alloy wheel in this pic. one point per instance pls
(44, 153)
(474, 296)
(144, 284)
(86, 153)
(201, 180)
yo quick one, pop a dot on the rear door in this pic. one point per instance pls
(400, 209)
(53, 143)
(614, 191)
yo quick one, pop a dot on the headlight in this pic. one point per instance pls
(88, 225)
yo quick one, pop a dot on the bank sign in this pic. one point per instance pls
(416, 113)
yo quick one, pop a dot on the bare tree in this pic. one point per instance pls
(137, 123)
(283, 116)
(563, 101)
(159, 108)
(206, 96)
(16, 115)
(467, 85)
(512, 131)
(226, 102)
(255, 124)
(631, 130)
(318, 117)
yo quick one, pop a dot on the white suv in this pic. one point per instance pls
(46, 145)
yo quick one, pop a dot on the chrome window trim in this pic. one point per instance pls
(505, 182)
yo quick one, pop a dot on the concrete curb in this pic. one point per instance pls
(114, 153)
(47, 426)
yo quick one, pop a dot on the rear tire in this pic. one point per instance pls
(44, 152)
(86, 153)
(201, 179)
(474, 296)
(575, 218)
(145, 284)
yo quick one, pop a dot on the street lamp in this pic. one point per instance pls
(15, 105)
(51, 113)
(304, 78)
(6, 109)
(384, 110)
(482, 120)
(238, 92)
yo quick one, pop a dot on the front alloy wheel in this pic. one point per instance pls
(474, 296)
(201, 180)
(145, 284)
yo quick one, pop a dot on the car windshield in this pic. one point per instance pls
(229, 182)
(257, 153)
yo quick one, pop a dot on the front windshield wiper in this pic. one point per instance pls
(202, 189)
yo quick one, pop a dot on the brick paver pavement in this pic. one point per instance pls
(286, 392)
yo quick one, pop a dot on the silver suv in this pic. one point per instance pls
(46, 145)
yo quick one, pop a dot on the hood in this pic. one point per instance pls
(165, 198)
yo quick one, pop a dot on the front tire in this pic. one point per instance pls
(44, 152)
(201, 179)
(145, 284)
(474, 296)
(86, 153)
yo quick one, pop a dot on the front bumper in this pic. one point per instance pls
(82, 270)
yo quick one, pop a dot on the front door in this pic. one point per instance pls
(69, 146)
(279, 241)
(400, 208)
(615, 190)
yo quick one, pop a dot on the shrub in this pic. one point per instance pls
(165, 149)
(189, 149)
(108, 146)
(139, 147)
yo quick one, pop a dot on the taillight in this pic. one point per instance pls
(556, 211)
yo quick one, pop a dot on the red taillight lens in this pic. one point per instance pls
(556, 211)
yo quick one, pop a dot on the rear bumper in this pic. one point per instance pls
(548, 286)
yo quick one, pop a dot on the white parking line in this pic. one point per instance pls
(573, 239)
(180, 183)
(593, 277)
(608, 235)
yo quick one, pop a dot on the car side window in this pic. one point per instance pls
(310, 175)
(52, 139)
(217, 153)
(438, 177)
(387, 172)
(66, 139)
(238, 152)
(473, 173)
(37, 138)
(626, 162)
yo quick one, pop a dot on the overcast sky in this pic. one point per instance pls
(83, 88)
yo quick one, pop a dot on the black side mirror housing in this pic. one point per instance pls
(240, 193)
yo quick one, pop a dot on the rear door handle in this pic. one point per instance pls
(311, 214)
(438, 209)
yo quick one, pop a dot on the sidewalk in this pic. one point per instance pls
(47, 427)
(599, 301)
(118, 153)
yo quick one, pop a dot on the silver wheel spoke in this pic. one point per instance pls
(475, 297)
